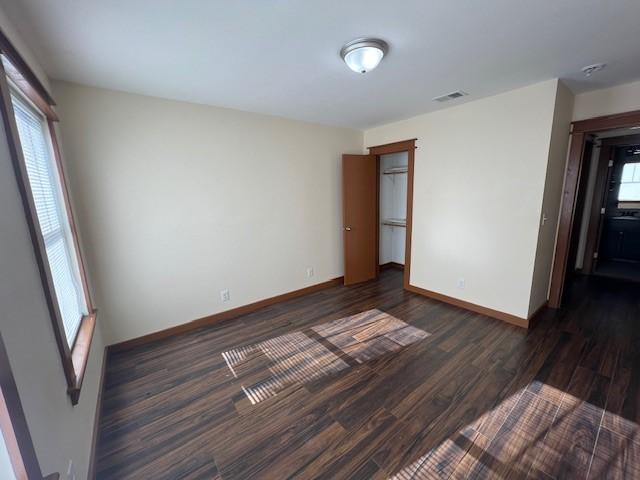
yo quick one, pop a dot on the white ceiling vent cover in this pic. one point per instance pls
(450, 96)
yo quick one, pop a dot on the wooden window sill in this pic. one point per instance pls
(80, 354)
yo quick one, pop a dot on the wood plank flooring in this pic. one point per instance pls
(372, 382)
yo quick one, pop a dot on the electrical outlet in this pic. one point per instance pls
(462, 283)
(71, 471)
(309, 272)
(224, 295)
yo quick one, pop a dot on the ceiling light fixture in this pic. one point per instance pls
(591, 69)
(364, 54)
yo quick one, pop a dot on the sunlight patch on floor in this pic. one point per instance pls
(539, 432)
(369, 334)
(296, 358)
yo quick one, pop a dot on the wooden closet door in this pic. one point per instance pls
(360, 217)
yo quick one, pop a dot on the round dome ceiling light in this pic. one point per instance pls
(364, 54)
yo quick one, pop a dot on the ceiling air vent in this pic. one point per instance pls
(450, 96)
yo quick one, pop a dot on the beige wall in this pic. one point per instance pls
(478, 192)
(607, 101)
(60, 431)
(556, 166)
(181, 201)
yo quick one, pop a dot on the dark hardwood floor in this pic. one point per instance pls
(372, 382)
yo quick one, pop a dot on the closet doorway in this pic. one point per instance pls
(392, 215)
(377, 207)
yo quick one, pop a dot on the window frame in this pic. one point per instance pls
(74, 357)
(628, 204)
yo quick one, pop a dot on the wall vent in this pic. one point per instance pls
(450, 96)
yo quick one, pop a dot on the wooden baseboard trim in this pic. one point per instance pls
(536, 316)
(96, 420)
(226, 315)
(395, 265)
(489, 312)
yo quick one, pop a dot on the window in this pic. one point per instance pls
(26, 109)
(54, 224)
(630, 183)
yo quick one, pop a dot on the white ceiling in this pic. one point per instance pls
(281, 56)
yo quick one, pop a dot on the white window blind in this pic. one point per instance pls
(630, 183)
(54, 224)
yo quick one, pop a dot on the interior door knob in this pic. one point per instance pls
(348, 229)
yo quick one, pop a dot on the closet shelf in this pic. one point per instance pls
(395, 222)
(395, 170)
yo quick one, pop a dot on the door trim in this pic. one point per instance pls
(595, 216)
(408, 146)
(579, 131)
(14, 427)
